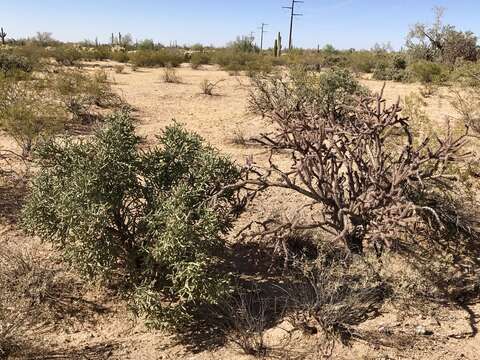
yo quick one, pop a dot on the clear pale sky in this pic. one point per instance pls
(343, 23)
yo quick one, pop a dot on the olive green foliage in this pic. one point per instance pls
(120, 56)
(200, 58)
(234, 61)
(66, 55)
(146, 44)
(244, 44)
(28, 114)
(149, 220)
(441, 42)
(428, 72)
(79, 92)
(395, 68)
(326, 91)
(158, 58)
(12, 65)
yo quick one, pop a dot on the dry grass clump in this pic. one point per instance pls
(119, 69)
(25, 297)
(334, 293)
(170, 75)
(208, 86)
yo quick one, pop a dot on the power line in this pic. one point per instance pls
(263, 32)
(292, 16)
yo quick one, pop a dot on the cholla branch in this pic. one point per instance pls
(357, 160)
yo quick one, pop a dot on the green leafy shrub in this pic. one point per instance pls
(79, 92)
(160, 58)
(28, 115)
(120, 56)
(11, 64)
(384, 72)
(66, 55)
(151, 220)
(428, 72)
(199, 58)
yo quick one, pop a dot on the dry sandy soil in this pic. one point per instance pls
(105, 330)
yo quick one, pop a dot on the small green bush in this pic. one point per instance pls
(120, 56)
(428, 72)
(28, 115)
(79, 92)
(199, 58)
(160, 58)
(11, 64)
(66, 55)
(149, 220)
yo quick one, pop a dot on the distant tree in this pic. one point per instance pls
(146, 44)
(126, 40)
(441, 42)
(382, 48)
(45, 39)
(244, 44)
(329, 49)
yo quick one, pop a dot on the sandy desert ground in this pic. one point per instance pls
(104, 329)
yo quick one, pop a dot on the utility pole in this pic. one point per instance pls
(262, 28)
(292, 15)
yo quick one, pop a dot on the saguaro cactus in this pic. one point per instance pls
(113, 39)
(3, 35)
(120, 38)
(275, 48)
(279, 44)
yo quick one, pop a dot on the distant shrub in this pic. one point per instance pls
(158, 58)
(120, 56)
(198, 59)
(11, 64)
(28, 115)
(149, 219)
(428, 72)
(79, 92)
(66, 55)
(385, 72)
(362, 61)
(119, 69)
(234, 61)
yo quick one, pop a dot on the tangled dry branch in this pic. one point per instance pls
(357, 163)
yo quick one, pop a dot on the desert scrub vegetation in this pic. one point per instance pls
(28, 114)
(80, 92)
(149, 220)
(208, 86)
(198, 59)
(158, 58)
(376, 188)
(353, 137)
(170, 75)
(12, 65)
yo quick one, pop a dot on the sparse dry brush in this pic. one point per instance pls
(365, 188)
(208, 86)
(170, 75)
(28, 114)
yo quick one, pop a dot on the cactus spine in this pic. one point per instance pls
(3, 35)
